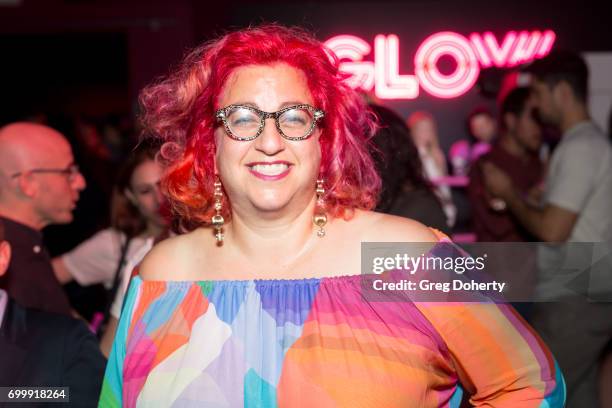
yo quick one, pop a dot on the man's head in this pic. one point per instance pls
(559, 85)
(5, 251)
(518, 120)
(481, 125)
(39, 183)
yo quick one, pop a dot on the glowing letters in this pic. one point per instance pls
(469, 55)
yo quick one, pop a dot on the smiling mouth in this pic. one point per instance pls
(269, 169)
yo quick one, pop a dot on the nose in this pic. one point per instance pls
(270, 141)
(159, 196)
(79, 182)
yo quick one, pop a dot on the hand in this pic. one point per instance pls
(497, 181)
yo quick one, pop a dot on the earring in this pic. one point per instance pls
(217, 219)
(319, 218)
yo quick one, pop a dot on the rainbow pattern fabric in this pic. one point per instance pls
(320, 343)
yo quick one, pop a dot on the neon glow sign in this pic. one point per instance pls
(469, 55)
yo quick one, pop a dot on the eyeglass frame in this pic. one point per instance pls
(71, 172)
(221, 115)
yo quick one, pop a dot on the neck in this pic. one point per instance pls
(509, 144)
(154, 229)
(23, 214)
(282, 238)
(574, 116)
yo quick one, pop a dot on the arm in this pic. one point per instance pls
(62, 273)
(112, 386)
(551, 223)
(486, 222)
(93, 260)
(500, 360)
(109, 335)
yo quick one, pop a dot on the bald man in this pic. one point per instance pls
(39, 185)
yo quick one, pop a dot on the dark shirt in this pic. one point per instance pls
(501, 226)
(30, 280)
(421, 205)
(42, 349)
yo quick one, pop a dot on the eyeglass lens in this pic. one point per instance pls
(294, 123)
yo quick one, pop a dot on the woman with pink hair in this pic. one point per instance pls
(260, 301)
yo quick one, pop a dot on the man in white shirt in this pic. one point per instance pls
(576, 210)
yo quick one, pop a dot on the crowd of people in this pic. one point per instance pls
(231, 261)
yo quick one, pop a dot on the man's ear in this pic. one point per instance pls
(509, 120)
(5, 256)
(564, 92)
(28, 185)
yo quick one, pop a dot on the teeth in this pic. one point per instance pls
(270, 169)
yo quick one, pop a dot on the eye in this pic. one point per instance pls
(242, 118)
(144, 190)
(296, 118)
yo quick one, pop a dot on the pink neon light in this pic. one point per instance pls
(348, 47)
(526, 47)
(389, 83)
(499, 54)
(354, 49)
(383, 76)
(480, 49)
(362, 74)
(548, 39)
(430, 77)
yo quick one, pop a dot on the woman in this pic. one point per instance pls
(136, 218)
(425, 136)
(260, 304)
(405, 190)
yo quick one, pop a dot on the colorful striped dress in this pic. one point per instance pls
(320, 343)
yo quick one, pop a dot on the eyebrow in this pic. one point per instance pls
(284, 105)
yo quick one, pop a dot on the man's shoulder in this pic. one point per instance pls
(586, 142)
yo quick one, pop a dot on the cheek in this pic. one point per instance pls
(145, 203)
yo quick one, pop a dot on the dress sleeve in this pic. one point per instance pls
(95, 260)
(500, 360)
(112, 386)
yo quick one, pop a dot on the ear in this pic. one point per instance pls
(28, 185)
(130, 196)
(5, 256)
(510, 120)
(563, 92)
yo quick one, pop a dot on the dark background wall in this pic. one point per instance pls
(92, 57)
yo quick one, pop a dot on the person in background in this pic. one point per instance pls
(405, 190)
(576, 209)
(483, 129)
(39, 185)
(516, 152)
(137, 218)
(136, 215)
(44, 349)
(424, 133)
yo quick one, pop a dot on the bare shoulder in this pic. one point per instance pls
(171, 259)
(378, 227)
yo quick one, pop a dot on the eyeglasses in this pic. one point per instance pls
(71, 172)
(245, 123)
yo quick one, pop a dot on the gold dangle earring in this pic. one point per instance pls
(319, 218)
(217, 219)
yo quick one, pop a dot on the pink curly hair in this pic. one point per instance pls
(180, 109)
